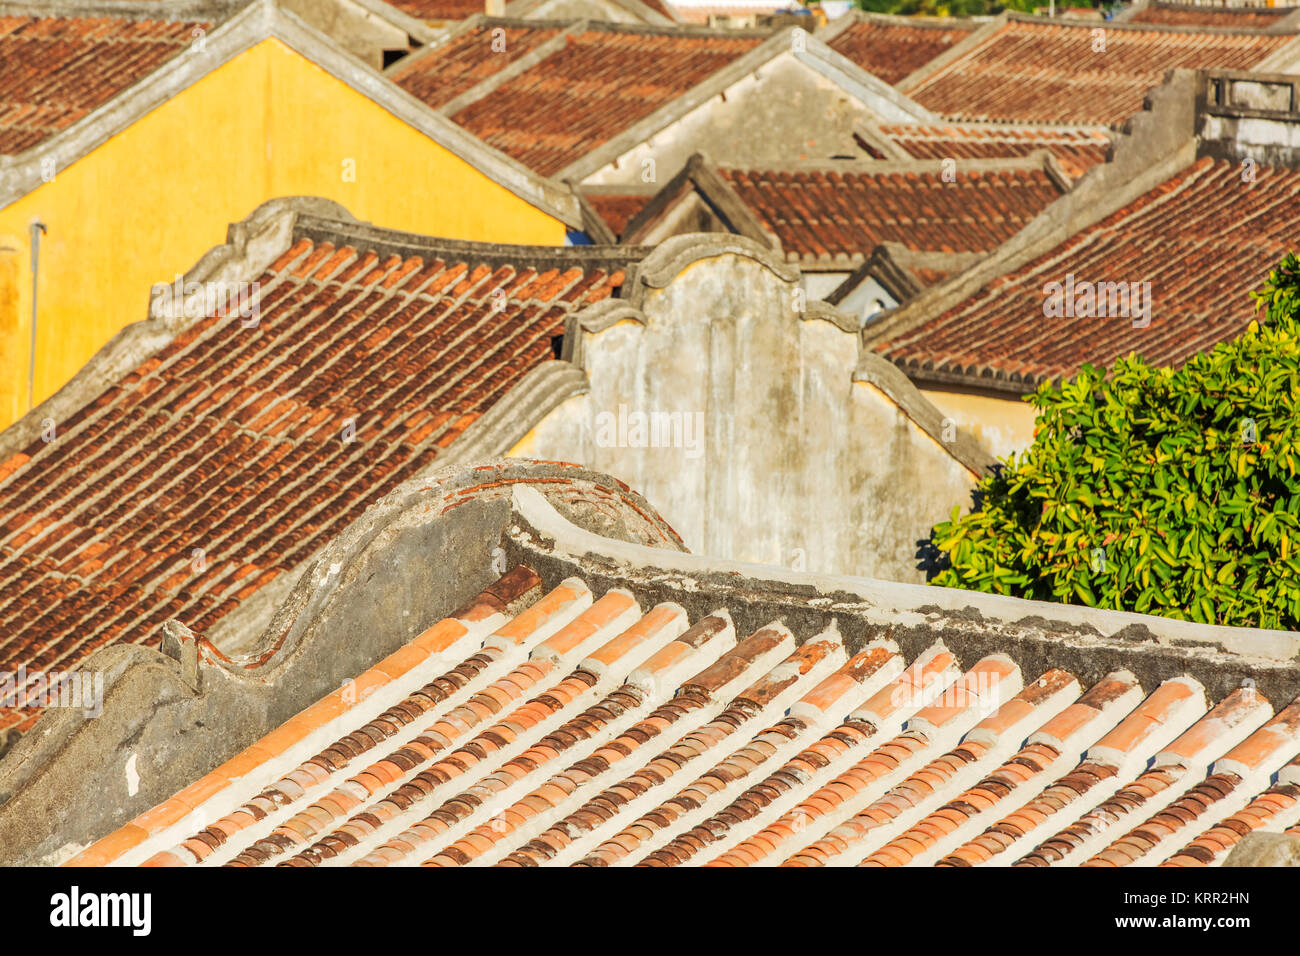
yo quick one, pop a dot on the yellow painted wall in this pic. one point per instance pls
(151, 201)
(1001, 425)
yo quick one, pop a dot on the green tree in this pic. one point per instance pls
(952, 8)
(1165, 491)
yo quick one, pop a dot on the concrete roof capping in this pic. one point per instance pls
(904, 272)
(1175, 172)
(643, 706)
(656, 77)
(1019, 68)
(259, 20)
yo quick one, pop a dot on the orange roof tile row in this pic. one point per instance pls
(1203, 240)
(591, 731)
(1057, 72)
(826, 213)
(55, 70)
(232, 454)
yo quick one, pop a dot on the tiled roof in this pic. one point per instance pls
(440, 75)
(1048, 72)
(588, 730)
(828, 213)
(232, 454)
(616, 208)
(439, 10)
(55, 70)
(700, 13)
(891, 48)
(1204, 240)
(1204, 15)
(598, 84)
(1076, 148)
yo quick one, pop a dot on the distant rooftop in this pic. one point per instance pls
(1076, 148)
(1055, 71)
(1203, 239)
(828, 214)
(893, 47)
(582, 93)
(1210, 15)
(55, 70)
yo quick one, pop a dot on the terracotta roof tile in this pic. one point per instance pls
(1204, 239)
(598, 84)
(589, 731)
(617, 208)
(826, 213)
(1049, 72)
(439, 10)
(233, 453)
(891, 49)
(701, 13)
(56, 70)
(1076, 148)
(1206, 15)
(440, 75)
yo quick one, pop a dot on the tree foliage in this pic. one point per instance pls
(1166, 491)
(952, 8)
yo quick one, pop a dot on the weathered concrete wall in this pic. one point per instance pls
(776, 448)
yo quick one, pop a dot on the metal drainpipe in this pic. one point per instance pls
(38, 229)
